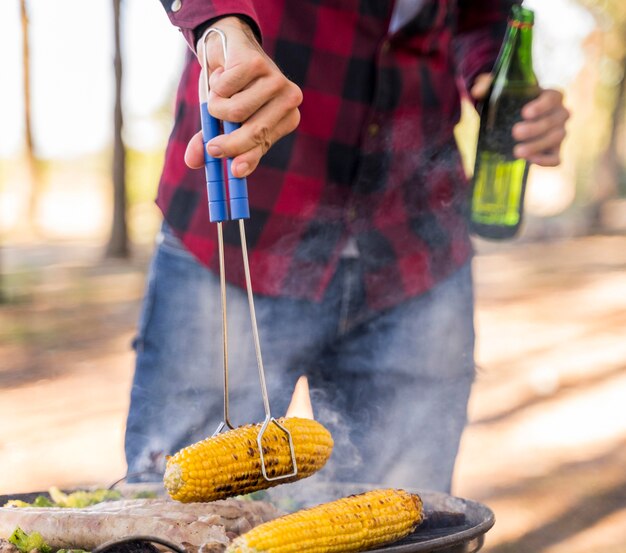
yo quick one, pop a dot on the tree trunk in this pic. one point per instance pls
(30, 155)
(609, 165)
(118, 241)
(31, 165)
(617, 118)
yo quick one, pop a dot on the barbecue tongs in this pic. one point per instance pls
(218, 213)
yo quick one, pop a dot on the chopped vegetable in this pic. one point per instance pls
(17, 503)
(259, 495)
(82, 498)
(27, 542)
(43, 501)
(146, 494)
(76, 499)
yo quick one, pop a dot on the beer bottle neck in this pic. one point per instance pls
(521, 68)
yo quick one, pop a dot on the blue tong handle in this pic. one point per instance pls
(215, 181)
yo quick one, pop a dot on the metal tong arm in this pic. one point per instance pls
(239, 210)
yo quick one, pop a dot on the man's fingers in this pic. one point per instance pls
(214, 52)
(481, 86)
(257, 143)
(226, 82)
(548, 143)
(546, 159)
(547, 101)
(542, 129)
(242, 105)
(246, 163)
(531, 129)
(194, 154)
(275, 119)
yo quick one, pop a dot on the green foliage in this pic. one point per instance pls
(143, 170)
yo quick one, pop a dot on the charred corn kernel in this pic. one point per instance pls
(354, 523)
(229, 464)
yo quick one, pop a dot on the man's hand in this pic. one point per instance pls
(542, 129)
(249, 89)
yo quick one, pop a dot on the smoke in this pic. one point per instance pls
(346, 458)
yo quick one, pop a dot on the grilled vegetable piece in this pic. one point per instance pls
(354, 523)
(77, 499)
(229, 464)
(29, 542)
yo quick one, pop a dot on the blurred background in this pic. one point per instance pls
(86, 99)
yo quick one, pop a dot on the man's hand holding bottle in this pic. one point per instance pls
(542, 130)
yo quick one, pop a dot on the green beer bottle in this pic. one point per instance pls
(499, 180)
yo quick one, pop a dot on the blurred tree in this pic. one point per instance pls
(31, 162)
(611, 164)
(30, 154)
(118, 241)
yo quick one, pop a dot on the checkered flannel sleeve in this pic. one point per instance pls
(190, 15)
(479, 32)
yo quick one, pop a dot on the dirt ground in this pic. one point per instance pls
(546, 446)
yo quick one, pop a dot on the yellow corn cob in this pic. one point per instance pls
(229, 464)
(354, 523)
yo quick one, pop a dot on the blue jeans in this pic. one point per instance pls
(392, 389)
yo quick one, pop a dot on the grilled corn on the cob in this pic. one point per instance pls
(354, 523)
(229, 464)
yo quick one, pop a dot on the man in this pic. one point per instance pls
(358, 241)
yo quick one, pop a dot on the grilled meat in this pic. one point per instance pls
(193, 524)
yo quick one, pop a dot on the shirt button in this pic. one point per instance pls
(384, 47)
(351, 215)
(176, 5)
(373, 129)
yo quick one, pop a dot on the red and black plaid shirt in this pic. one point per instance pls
(374, 157)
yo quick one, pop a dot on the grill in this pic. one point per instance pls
(451, 524)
